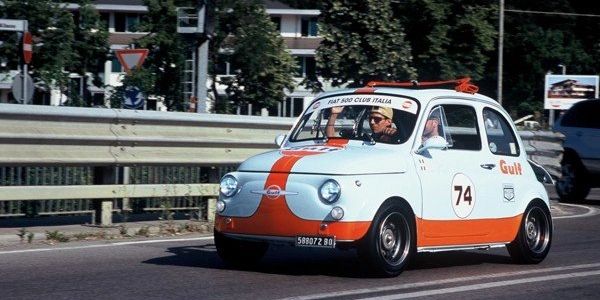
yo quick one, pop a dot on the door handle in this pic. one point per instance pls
(488, 166)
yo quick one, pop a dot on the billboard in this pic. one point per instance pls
(562, 91)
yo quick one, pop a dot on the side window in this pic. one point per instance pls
(460, 127)
(501, 138)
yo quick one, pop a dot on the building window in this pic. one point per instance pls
(306, 66)
(127, 22)
(309, 27)
(120, 22)
(277, 21)
(133, 22)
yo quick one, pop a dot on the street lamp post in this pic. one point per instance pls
(500, 50)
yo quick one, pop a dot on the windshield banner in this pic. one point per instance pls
(395, 102)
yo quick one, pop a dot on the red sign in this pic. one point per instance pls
(131, 58)
(27, 47)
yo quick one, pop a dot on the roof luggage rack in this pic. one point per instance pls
(460, 85)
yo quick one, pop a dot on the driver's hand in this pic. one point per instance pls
(337, 109)
(389, 131)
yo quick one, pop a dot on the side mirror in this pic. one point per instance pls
(279, 139)
(434, 142)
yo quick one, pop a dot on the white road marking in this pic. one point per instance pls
(442, 281)
(592, 211)
(204, 238)
(488, 285)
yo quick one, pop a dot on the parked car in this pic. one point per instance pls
(580, 164)
(339, 181)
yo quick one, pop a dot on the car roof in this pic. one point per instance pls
(424, 96)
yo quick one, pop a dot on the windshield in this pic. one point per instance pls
(373, 118)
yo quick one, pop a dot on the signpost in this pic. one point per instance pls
(26, 83)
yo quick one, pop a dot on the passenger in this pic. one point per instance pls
(431, 127)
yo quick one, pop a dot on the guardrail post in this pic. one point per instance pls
(211, 208)
(103, 207)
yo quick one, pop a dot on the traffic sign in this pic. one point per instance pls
(133, 98)
(131, 58)
(27, 47)
(17, 88)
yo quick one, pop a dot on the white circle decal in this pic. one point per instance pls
(463, 195)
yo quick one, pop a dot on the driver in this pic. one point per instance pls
(380, 121)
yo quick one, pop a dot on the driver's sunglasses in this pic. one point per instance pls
(376, 120)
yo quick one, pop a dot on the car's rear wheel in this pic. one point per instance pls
(573, 184)
(238, 252)
(390, 242)
(535, 235)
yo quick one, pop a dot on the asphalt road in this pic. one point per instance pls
(190, 269)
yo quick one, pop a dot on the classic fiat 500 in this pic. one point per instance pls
(391, 170)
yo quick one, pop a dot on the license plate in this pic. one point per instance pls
(315, 241)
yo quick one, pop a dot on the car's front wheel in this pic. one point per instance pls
(391, 240)
(239, 252)
(572, 185)
(535, 235)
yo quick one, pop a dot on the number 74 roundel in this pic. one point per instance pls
(463, 195)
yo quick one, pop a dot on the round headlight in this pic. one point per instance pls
(228, 186)
(330, 191)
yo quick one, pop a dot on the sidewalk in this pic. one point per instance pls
(47, 233)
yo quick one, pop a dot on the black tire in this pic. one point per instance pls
(238, 252)
(535, 235)
(573, 184)
(390, 242)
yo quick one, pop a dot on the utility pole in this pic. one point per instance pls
(500, 50)
(202, 74)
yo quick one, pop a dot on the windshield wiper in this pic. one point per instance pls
(317, 127)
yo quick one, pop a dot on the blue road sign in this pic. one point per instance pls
(134, 98)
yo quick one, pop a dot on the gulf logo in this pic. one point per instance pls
(316, 105)
(407, 104)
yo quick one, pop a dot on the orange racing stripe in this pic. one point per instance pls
(274, 218)
(466, 232)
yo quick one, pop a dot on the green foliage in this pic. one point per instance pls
(167, 53)
(449, 39)
(60, 46)
(51, 25)
(56, 236)
(363, 41)
(90, 40)
(263, 67)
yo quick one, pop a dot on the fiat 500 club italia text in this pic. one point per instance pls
(391, 171)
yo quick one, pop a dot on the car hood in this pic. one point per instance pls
(319, 159)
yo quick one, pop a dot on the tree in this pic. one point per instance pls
(51, 26)
(163, 69)
(362, 41)
(536, 44)
(449, 39)
(247, 39)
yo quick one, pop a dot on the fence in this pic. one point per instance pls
(166, 155)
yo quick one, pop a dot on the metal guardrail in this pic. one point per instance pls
(70, 136)
(49, 135)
